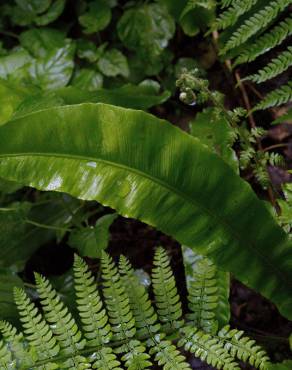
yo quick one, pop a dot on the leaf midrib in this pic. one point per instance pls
(212, 215)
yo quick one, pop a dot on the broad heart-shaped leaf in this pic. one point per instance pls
(147, 169)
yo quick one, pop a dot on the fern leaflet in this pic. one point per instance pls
(243, 348)
(230, 16)
(274, 68)
(255, 23)
(166, 296)
(279, 96)
(265, 42)
(207, 348)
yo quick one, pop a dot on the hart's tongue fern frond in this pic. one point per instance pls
(121, 328)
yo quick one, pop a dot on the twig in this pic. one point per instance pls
(253, 125)
(275, 146)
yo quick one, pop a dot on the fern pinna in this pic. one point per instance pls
(119, 328)
(253, 28)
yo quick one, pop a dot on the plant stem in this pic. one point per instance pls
(44, 226)
(275, 146)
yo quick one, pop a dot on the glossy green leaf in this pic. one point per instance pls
(40, 12)
(146, 29)
(197, 15)
(52, 14)
(55, 69)
(216, 133)
(40, 41)
(113, 63)
(87, 79)
(92, 240)
(128, 96)
(12, 62)
(97, 17)
(152, 171)
(17, 100)
(11, 96)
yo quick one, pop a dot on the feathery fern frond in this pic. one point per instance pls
(55, 342)
(36, 330)
(93, 316)
(168, 356)
(266, 42)
(105, 359)
(117, 301)
(230, 16)
(207, 348)
(253, 32)
(136, 357)
(226, 3)
(243, 348)
(62, 323)
(6, 361)
(15, 341)
(255, 23)
(208, 292)
(279, 96)
(276, 66)
(203, 298)
(167, 300)
(144, 314)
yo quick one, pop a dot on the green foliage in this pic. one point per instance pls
(90, 241)
(39, 12)
(167, 300)
(285, 218)
(243, 348)
(266, 42)
(279, 96)
(146, 29)
(127, 326)
(113, 63)
(252, 30)
(215, 301)
(213, 214)
(274, 68)
(96, 17)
